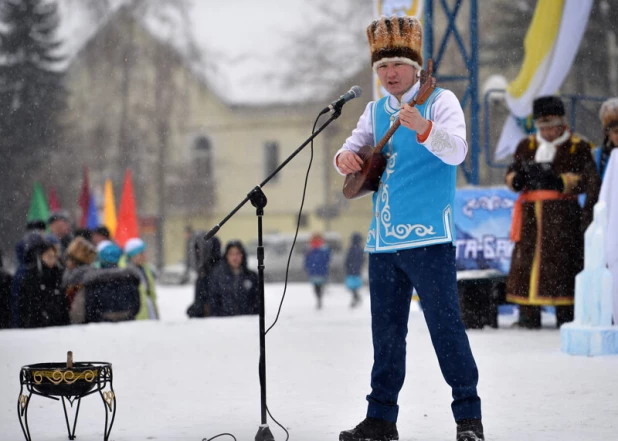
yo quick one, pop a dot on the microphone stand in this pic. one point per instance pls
(258, 200)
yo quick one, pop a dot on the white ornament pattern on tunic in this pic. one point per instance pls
(441, 143)
(400, 231)
(371, 235)
(390, 166)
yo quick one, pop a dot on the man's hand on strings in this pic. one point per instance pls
(349, 162)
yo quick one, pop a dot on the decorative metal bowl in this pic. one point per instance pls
(56, 379)
(68, 383)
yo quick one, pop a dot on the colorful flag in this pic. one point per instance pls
(93, 217)
(84, 199)
(109, 208)
(38, 205)
(54, 204)
(550, 47)
(127, 213)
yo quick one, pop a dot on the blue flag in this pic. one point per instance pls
(93, 218)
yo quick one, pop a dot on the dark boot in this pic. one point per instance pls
(529, 317)
(371, 429)
(470, 430)
(355, 299)
(564, 314)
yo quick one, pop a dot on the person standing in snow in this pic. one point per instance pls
(317, 261)
(411, 237)
(354, 261)
(549, 170)
(233, 289)
(135, 257)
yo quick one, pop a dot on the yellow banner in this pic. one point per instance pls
(539, 41)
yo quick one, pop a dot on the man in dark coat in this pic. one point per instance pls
(549, 169)
(233, 289)
(207, 255)
(32, 227)
(42, 301)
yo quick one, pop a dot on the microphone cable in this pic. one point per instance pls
(287, 268)
(285, 285)
(300, 212)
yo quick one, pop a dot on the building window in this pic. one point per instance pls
(271, 158)
(203, 156)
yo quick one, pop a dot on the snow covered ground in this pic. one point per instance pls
(181, 379)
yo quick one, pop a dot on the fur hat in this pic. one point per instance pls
(609, 113)
(547, 106)
(396, 39)
(134, 246)
(81, 250)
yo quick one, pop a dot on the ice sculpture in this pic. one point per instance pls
(592, 333)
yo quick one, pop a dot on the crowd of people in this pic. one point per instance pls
(66, 277)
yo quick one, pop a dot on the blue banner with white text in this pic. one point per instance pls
(482, 223)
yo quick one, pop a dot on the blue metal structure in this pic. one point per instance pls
(470, 57)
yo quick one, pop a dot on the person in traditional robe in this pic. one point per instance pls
(549, 170)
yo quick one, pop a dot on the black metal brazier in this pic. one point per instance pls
(67, 382)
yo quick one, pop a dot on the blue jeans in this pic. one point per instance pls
(431, 270)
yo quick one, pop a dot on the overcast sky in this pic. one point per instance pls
(241, 38)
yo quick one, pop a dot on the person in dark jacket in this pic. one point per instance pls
(5, 296)
(317, 261)
(233, 289)
(354, 261)
(112, 293)
(207, 257)
(42, 301)
(32, 227)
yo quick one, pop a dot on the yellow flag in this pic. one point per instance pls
(109, 208)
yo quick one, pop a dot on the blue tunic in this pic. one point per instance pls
(413, 206)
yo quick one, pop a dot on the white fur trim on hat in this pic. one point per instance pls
(134, 246)
(103, 244)
(396, 60)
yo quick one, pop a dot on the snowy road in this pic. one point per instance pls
(181, 379)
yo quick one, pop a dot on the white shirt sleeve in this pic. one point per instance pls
(447, 139)
(362, 135)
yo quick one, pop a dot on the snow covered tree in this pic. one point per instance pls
(32, 98)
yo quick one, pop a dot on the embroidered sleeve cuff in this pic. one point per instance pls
(439, 142)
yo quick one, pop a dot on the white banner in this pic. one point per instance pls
(543, 72)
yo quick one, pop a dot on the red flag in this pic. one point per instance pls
(84, 199)
(52, 200)
(127, 213)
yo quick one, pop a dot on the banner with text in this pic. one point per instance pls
(482, 223)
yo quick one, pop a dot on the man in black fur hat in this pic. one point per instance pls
(550, 169)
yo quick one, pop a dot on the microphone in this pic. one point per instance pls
(336, 105)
